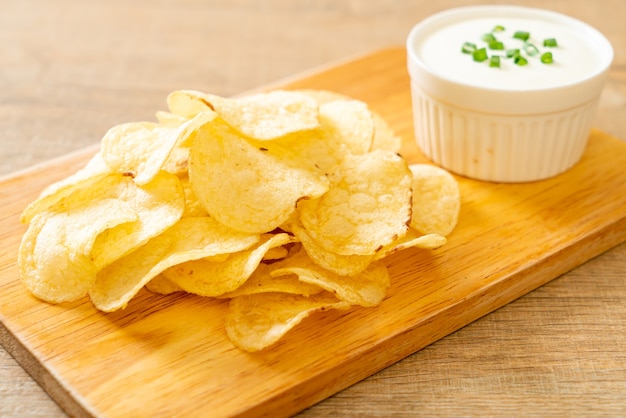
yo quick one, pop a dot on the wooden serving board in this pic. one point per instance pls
(169, 355)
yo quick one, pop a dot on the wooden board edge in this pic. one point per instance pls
(42, 375)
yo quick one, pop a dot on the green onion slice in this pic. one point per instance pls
(521, 35)
(519, 60)
(546, 58)
(498, 28)
(494, 61)
(468, 48)
(480, 55)
(488, 37)
(531, 49)
(550, 42)
(496, 45)
(512, 53)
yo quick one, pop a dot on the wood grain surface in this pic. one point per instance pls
(71, 70)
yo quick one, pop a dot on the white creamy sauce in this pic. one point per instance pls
(574, 57)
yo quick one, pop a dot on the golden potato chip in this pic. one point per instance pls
(436, 200)
(262, 116)
(169, 119)
(140, 149)
(189, 239)
(257, 321)
(384, 136)
(161, 285)
(94, 171)
(158, 205)
(344, 265)
(262, 282)
(367, 288)
(245, 186)
(193, 207)
(367, 207)
(213, 278)
(350, 123)
(55, 253)
(412, 239)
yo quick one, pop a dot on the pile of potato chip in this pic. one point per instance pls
(284, 202)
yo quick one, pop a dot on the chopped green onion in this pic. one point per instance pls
(488, 37)
(468, 48)
(494, 61)
(531, 49)
(498, 28)
(521, 35)
(512, 53)
(480, 55)
(550, 42)
(496, 45)
(519, 60)
(546, 58)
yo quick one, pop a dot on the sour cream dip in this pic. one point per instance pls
(506, 122)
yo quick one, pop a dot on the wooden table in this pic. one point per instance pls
(70, 70)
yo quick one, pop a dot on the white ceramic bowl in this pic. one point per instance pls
(513, 123)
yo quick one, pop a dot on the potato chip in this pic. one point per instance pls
(436, 200)
(55, 253)
(161, 285)
(258, 321)
(213, 278)
(344, 265)
(158, 205)
(262, 116)
(350, 123)
(367, 207)
(367, 288)
(140, 149)
(245, 186)
(262, 281)
(169, 119)
(384, 136)
(189, 239)
(95, 170)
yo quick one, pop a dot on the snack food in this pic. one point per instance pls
(285, 202)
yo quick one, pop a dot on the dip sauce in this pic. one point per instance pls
(574, 58)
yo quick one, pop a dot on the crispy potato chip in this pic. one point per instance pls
(55, 253)
(344, 265)
(193, 207)
(213, 278)
(413, 239)
(189, 239)
(94, 171)
(436, 200)
(262, 282)
(158, 205)
(262, 116)
(384, 136)
(257, 321)
(367, 288)
(350, 123)
(246, 187)
(140, 149)
(161, 285)
(367, 207)
(169, 119)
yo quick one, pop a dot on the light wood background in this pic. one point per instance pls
(69, 70)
